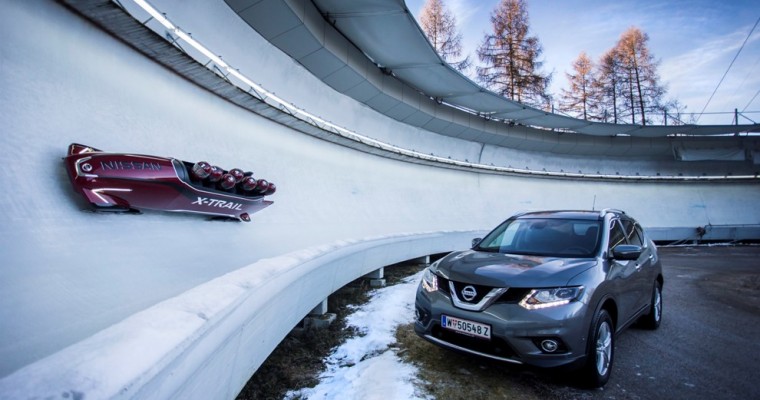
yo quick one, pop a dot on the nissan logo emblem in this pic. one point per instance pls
(469, 293)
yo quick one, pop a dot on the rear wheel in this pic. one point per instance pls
(601, 354)
(652, 320)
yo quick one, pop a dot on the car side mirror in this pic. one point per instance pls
(626, 252)
(476, 241)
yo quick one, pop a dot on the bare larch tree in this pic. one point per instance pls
(607, 88)
(580, 95)
(510, 56)
(642, 90)
(440, 27)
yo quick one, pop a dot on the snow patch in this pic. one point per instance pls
(365, 366)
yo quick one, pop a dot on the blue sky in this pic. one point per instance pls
(694, 40)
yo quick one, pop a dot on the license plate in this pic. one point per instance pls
(466, 327)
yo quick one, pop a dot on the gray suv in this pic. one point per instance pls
(546, 289)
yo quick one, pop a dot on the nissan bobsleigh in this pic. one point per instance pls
(123, 182)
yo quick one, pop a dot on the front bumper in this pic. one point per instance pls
(516, 331)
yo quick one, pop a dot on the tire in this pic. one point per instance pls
(601, 351)
(653, 319)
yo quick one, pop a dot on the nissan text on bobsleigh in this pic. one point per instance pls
(123, 182)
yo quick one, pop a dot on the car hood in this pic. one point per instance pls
(509, 270)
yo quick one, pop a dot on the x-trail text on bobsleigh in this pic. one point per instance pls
(130, 182)
(545, 289)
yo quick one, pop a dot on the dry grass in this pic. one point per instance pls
(450, 375)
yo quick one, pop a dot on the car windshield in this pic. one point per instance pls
(553, 237)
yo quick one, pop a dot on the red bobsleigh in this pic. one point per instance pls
(130, 183)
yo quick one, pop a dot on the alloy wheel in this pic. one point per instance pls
(603, 348)
(657, 304)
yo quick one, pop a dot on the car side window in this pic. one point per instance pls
(631, 235)
(617, 236)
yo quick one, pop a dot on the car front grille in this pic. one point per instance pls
(512, 296)
(480, 290)
(443, 285)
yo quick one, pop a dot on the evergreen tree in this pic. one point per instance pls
(511, 57)
(578, 98)
(439, 25)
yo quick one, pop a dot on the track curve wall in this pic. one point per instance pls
(206, 342)
(73, 280)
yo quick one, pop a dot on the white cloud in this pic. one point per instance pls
(694, 75)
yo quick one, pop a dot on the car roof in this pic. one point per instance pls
(569, 214)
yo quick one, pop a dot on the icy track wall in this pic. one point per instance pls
(167, 305)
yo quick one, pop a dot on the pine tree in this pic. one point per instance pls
(643, 92)
(439, 25)
(577, 100)
(511, 56)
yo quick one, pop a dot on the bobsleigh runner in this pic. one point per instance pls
(129, 183)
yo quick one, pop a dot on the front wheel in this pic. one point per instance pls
(596, 372)
(652, 320)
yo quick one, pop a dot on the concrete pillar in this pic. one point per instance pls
(376, 279)
(376, 274)
(318, 318)
(320, 309)
(421, 260)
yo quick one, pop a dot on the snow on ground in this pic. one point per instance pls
(365, 367)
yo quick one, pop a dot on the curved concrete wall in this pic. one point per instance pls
(205, 343)
(69, 275)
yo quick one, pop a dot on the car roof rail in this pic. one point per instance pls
(610, 210)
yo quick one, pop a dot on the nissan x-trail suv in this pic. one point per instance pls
(545, 289)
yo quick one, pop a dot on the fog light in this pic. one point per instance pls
(420, 315)
(549, 345)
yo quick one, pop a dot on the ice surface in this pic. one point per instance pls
(67, 274)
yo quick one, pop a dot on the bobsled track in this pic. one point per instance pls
(164, 305)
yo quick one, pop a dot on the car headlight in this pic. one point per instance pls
(543, 298)
(429, 280)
